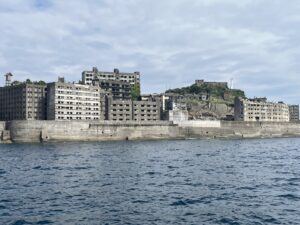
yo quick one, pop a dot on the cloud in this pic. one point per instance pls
(171, 43)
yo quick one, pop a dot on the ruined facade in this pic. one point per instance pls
(116, 75)
(118, 83)
(294, 113)
(125, 110)
(23, 102)
(119, 90)
(258, 109)
(67, 101)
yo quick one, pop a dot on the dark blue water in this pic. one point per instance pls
(164, 182)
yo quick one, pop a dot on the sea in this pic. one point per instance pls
(151, 182)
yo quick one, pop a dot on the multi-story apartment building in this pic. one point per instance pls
(120, 90)
(294, 113)
(116, 75)
(23, 101)
(125, 110)
(119, 84)
(258, 109)
(146, 110)
(67, 101)
(118, 110)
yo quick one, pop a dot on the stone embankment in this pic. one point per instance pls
(4, 133)
(56, 131)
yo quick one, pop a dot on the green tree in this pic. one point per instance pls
(41, 82)
(135, 92)
(28, 81)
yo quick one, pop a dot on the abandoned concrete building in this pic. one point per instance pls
(116, 75)
(294, 113)
(258, 109)
(125, 110)
(119, 90)
(118, 83)
(67, 101)
(23, 101)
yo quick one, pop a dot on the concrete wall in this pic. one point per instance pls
(2, 125)
(262, 129)
(230, 129)
(4, 134)
(178, 115)
(199, 123)
(37, 131)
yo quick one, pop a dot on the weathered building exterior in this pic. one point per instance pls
(119, 90)
(258, 109)
(118, 110)
(294, 113)
(116, 75)
(146, 110)
(67, 101)
(23, 102)
(126, 110)
(177, 115)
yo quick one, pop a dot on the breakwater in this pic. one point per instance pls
(53, 131)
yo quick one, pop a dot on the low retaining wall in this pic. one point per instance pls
(265, 129)
(199, 123)
(47, 131)
(234, 129)
(36, 131)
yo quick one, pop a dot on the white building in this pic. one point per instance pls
(66, 101)
(258, 109)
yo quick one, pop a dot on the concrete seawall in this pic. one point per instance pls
(44, 131)
(244, 130)
(4, 134)
(53, 131)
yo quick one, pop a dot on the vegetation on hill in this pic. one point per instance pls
(215, 92)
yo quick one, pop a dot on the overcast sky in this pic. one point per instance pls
(171, 42)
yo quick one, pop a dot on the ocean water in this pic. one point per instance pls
(151, 182)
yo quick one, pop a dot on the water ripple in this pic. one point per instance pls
(164, 182)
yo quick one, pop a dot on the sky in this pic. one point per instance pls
(171, 42)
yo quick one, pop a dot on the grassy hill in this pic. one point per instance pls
(215, 93)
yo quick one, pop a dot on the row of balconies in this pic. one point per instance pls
(77, 113)
(76, 118)
(128, 119)
(77, 108)
(77, 103)
(96, 98)
(83, 93)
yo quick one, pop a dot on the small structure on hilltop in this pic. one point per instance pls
(212, 84)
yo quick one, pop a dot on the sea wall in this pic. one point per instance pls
(199, 123)
(54, 131)
(4, 134)
(2, 128)
(233, 129)
(47, 131)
